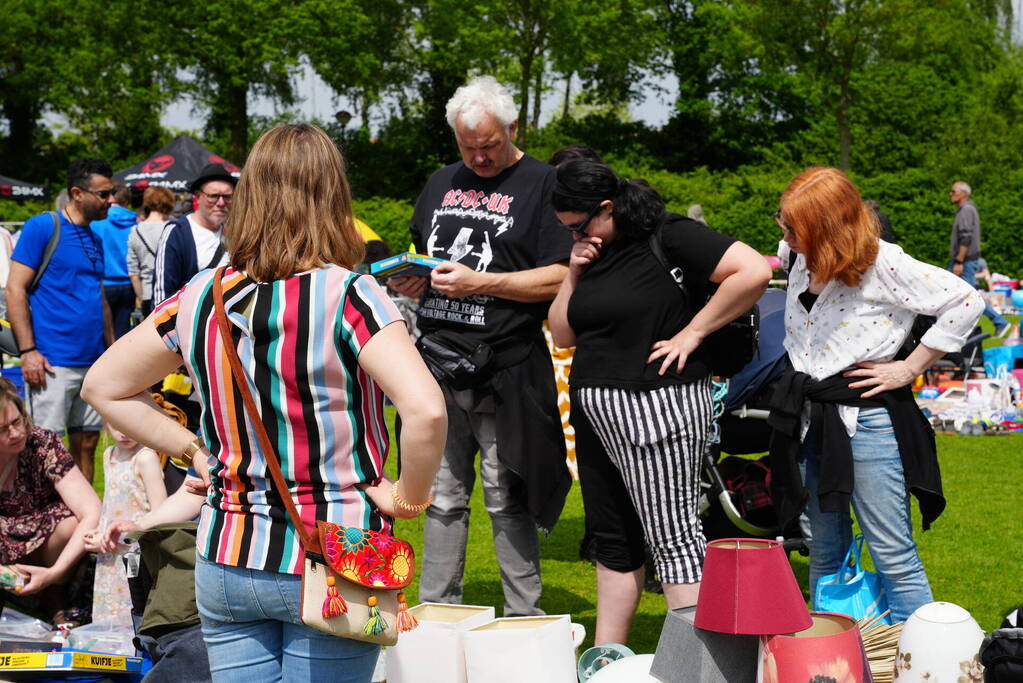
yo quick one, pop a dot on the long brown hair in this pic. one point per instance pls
(292, 208)
(835, 231)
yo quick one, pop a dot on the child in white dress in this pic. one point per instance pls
(133, 485)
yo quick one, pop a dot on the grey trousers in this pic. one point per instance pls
(472, 428)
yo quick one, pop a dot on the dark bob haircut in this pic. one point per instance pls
(581, 185)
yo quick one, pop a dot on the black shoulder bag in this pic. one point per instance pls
(732, 346)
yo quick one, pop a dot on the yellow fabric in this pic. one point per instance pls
(562, 359)
(366, 232)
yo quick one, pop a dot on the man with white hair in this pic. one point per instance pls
(964, 248)
(490, 217)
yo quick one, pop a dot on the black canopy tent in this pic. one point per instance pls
(19, 189)
(173, 166)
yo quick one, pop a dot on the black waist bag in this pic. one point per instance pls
(1002, 655)
(456, 361)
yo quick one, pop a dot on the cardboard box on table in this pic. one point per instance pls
(520, 649)
(433, 652)
(687, 654)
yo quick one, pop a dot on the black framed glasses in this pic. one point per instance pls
(581, 225)
(102, 194)
(781, 222)
(214, 198)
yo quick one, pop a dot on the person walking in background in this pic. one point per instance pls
(964, 248)
(641, 376)
(489, 217)
(319, 345)
(157, 205)
(113, 231)
(844, 414)
(64, 325)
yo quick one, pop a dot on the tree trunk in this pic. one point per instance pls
(844, 133)
(526, 63)
(537, 97)
(440, 85)
(238, 123)
(22, 118)
(568, 97)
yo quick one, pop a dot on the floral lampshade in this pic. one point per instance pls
(748, 587)
(940, 641)
(830, 650)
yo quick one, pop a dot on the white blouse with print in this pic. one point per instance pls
(870, 322)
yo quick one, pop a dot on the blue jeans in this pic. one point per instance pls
(881, 504)
(970, 277)
(251, 622)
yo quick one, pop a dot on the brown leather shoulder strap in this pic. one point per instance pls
(309, 542)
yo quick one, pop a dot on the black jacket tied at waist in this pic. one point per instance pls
(913, 434)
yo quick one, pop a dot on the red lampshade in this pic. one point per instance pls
(748, 587)
(831, 649)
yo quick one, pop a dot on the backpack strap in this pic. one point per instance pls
(674, 272)
(51, 247)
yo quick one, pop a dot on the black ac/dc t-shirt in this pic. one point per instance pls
(495, 225)
(626, 300)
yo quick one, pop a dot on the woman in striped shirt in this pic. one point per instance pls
(319, 350)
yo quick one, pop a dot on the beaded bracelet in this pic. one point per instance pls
(403, 504)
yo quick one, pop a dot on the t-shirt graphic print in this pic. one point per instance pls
(498, 225)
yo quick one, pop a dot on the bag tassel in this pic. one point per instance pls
(334, 605)
(406, 620)
(376, 623)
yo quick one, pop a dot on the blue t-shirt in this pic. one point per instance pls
(67, 306)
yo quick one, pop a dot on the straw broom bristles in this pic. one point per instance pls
(881, 643)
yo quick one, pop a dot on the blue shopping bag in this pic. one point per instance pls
(852, 590)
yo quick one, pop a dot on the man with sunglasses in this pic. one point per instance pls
(194, 241)
(63, 325)
(489, 217)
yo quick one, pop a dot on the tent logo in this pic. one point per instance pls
(231, 168)
(158, 164)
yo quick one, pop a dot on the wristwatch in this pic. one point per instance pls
(184, 460)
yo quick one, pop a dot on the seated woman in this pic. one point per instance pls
(46, 505)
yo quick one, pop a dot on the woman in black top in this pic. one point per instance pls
(640, 376)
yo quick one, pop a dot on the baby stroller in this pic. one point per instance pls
(735, 497)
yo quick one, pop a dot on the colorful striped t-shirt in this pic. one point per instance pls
(299, 341)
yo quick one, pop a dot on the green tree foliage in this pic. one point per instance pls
(232, 50)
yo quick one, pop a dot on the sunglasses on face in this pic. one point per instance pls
(102, 194)
(580, 227)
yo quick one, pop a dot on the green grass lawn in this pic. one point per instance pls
(971, 554)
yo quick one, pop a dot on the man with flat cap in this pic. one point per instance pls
(194, 241)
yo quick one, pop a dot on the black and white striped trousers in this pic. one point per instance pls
(656, 439)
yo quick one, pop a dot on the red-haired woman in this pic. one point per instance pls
(845, 414)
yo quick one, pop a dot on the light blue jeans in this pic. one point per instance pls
(251, 622)
(970, 276)
(881, 504)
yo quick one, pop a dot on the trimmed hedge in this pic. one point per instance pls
(741, 203)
